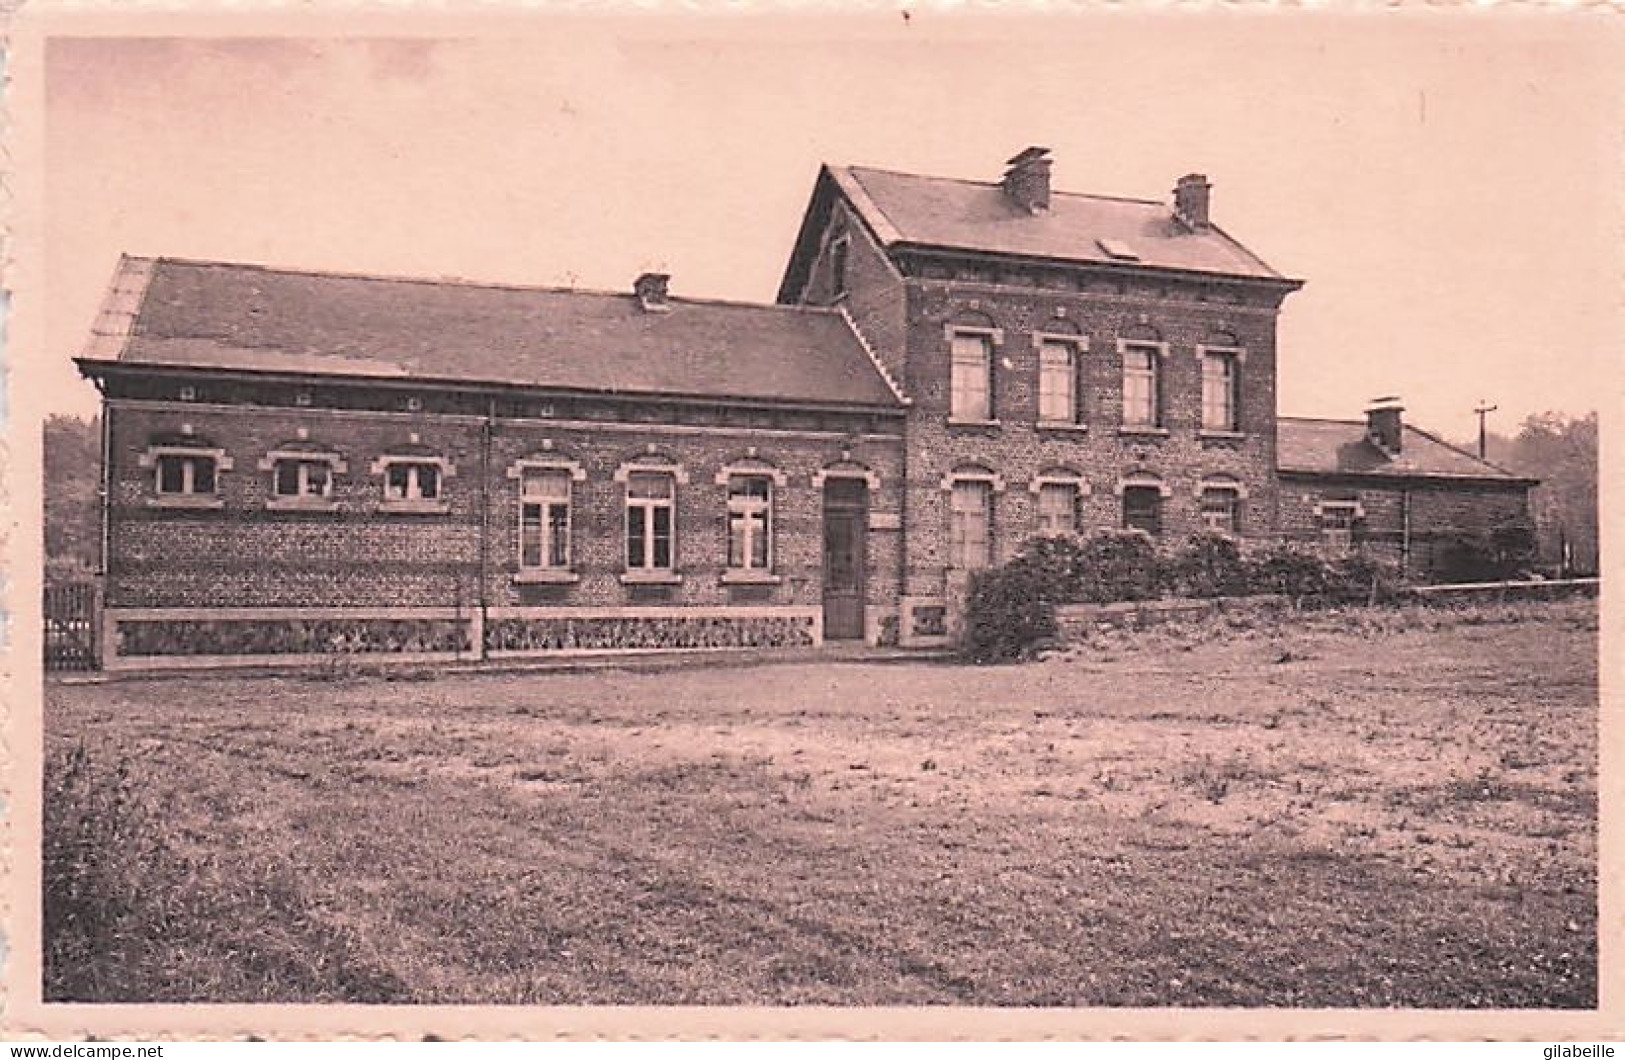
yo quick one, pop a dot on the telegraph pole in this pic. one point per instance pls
(1483, 410)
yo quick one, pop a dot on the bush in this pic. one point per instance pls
(1207, 565)
(1118, 565)
(1009, 614)
(1499, 554)
(1361, 579)
(1288, 570)
(1059, 565)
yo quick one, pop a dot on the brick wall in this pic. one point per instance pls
(359, 554)
(875, 297)
(1439, 511)
(1019, 449)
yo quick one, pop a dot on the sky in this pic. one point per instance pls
(1446, 183)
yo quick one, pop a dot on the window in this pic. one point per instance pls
(650, 521)
(186, 471)
(295, 478)
(1221, 509)
(1142, 508)
(1140, 399)
(1337, 519)
(1057, 509)
(1057, 382)
(544, 519)
(1220, 375)
(837, 266)
(971, 397)
(185, 475)
(411, 481)
(750, 522)
(970, 523)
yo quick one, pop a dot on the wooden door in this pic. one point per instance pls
(846, 531)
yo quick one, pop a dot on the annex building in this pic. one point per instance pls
(303, 463)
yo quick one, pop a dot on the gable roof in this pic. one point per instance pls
(1340, 447)
(905, 209)
(170, 312)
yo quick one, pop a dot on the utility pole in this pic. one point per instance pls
(1483, 411)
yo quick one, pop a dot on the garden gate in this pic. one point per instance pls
(71, 627)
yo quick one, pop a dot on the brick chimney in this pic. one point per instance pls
(1026, 182)
(1384, 425)
(651, 291)
(1191, 198)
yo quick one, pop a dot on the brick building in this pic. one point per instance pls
(300, 463)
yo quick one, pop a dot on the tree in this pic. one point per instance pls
(1561, 451)
(72, 481)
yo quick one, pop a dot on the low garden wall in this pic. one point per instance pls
(1073, 619)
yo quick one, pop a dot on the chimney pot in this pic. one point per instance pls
(1192, 197)
(651, 291)
(1385, 425)
(1026, 182)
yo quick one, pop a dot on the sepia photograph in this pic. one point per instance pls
(888, 508)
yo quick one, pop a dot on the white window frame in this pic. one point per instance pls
(1076, 483)
(1076, 346)
(776, 480)
(754, 516)
(990, 339)
(302, 500)
(646, 572)
(1159, 353)
(433, 505)
(188, 497)
(1236, 358)
(993, 484)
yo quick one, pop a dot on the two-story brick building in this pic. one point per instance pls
(301, 463)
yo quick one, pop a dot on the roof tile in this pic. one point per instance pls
(221, 315)
(978, 216)
(1339, 447)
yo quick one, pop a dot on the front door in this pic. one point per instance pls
(846, 526)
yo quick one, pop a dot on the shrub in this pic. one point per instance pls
(1288, 570)
(1059, 564)
(1358, 578)
(1118, 565)
(1207, 565)
(1009, 613)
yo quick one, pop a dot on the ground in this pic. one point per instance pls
(1362, 808)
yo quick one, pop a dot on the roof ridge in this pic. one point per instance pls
(459, 281)
(994, 184)
(1459, 450)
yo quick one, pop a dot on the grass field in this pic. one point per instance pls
(1377, 808)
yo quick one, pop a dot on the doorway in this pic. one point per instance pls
(846, 533)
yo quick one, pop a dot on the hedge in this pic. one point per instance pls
(1010, 613)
